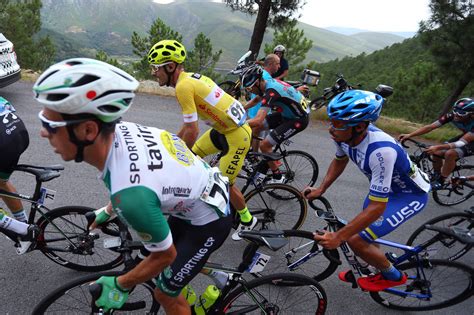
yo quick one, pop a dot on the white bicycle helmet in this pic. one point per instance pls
(83, 85)
(279, 48)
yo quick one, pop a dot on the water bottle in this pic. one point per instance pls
(206, 300)
(189, 294)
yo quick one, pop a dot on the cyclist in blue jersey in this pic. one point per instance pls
(462, 116)
(398, 189)
(289, 111)
(149, 172)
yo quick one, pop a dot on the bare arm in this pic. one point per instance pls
(335, 169)
(418, 132)
(189, 133)
(254, 101)
(258, 119)
(149, 268)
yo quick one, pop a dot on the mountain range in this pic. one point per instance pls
(81, 27)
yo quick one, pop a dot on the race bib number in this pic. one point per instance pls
(259, 262)
(216, 193)
(237, 113)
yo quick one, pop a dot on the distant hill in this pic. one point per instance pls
(354, 31)
(85, 26)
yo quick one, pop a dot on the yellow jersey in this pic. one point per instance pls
(199, 96)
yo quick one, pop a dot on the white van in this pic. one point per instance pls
(9, 68)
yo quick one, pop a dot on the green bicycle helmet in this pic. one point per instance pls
(166, 51)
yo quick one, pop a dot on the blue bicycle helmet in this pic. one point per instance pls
(464, 106)
(355, 106)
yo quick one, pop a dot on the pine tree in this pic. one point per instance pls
(202, 59)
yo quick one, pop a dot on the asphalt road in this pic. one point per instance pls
(24, 280)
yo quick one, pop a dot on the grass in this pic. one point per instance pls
(396, 126)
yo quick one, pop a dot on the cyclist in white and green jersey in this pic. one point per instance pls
(148, 171)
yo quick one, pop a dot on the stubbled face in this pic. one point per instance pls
(59, 140)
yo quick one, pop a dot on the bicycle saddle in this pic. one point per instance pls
(42, 173)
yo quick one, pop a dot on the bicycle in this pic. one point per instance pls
(64, 235)
(450, 193)
(342, 85)
(444, 245)
(431, 284)
(238, 296)
(298, 168)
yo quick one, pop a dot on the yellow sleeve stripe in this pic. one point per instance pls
(379, 199)
(341, 157)
(372, 234)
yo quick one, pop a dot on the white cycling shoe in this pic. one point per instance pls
(242, 227)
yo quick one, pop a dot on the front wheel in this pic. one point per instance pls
(74, 298)
(232, 88)
(277, 207)
(450, 194)
(66, 240)
(442, 245)
(277, 294)
(438, 284)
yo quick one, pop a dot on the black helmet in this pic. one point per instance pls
(250, 75)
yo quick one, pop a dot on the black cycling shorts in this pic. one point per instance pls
(194, 244)
(463, 151)
(283, 128)
(14, 140)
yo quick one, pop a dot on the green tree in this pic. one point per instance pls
(449, 35)
(269, 13)
(141, 45)
(296, 44)
(102, 56)
(20, 21)
(202, 59)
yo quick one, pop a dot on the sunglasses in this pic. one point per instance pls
(155, 68)
(341, 127)
(52, 126)
(461, 113)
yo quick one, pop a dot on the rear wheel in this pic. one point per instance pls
(455, 194)
(439, 284)
(444, 246)
(277, 294)
(66, 240)
(277, 207)
(300, 169)
(317, 103)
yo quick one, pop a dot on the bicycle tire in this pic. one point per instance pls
(229, 87)
(300, 244)
(84, 255)
(436, 285)
(317, 103)
(265, 204)
(276, 291)
(300, 169)
(74, 297)
(446, 247)
(449, 195)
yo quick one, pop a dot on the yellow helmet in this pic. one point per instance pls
(165, 51)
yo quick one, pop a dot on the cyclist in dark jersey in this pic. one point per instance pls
(462, 116)
(14, 140)
(289, 110)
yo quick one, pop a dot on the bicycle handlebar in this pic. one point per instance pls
(417, 143)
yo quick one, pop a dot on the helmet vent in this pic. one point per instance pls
(74, 63)
(56, 97)
(108, 108)
(111, 92)
(53, 72)
(171, 47)
(361, 106)
(128, 79)
(85, 80)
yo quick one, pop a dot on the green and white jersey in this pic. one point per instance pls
(150, 172)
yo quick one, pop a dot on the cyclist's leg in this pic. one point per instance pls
(194, 245)
(205, 145)
(398, 211)
(450, 158)
(281, 132)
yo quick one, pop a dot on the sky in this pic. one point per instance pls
(371, 15)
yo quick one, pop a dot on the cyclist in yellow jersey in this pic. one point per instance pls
(199, 96)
